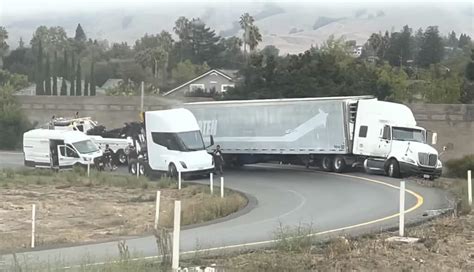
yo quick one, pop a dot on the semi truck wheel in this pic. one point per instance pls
(172, 171)
(327, 164)
(121, 157)
(393, 169)
(339, 164)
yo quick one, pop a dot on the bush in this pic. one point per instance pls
(12, 121)
(458, 167)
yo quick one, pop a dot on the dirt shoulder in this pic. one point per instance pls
(446, 244)
(72, 209)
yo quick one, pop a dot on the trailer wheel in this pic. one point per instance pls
(121, 157)
(172, 171)
(339, 164)
(393, 169)
(327, 164)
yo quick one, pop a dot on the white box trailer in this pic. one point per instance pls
(335, 132)
(56, 149)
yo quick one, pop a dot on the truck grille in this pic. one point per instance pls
(427, 159)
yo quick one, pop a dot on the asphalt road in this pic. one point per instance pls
(332, 204)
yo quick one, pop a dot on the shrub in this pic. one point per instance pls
(458, 167)
(13, 123)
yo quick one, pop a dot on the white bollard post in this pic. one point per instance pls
(469, 187)
(211, 177)
(176, 230)
(179, 180)
(89, 168)
(138, 169)
(33, 225)
(157, 208)
(402, 209)
(222, 187)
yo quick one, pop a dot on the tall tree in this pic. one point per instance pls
(432, 48)
(464, 40)
(39, 70)
(399, 47)
(452, 39)
(52, 39)
(246, 22)
(72, 75)
(86, 87)
(254, 37)
(80, 34)
(47, 78)
(64, 75)
(78, 79)
(3, 44)
(55, 75)
(92, 81)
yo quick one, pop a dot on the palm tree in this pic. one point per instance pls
(254, 37)
(246, 22)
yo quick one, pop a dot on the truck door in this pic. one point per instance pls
(67, 156)
(385, 142)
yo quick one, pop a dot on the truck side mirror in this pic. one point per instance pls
(434, 138)
(212, 140)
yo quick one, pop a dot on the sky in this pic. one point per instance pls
(21, 7)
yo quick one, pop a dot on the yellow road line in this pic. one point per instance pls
(419, 202)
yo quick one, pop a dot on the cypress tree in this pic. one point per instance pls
(78, 79)
(65, 75)
(92, 81)
(39, 70)
(86, 87)
(72, 90)
(47, 78)
(55, 72)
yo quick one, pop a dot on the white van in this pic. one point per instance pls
(175, 144)
(44, 148)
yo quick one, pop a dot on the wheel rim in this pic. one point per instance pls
(326, 163)
(133, 169)
(122, 158)
(390, 170)
(338, 164)
(142, 169)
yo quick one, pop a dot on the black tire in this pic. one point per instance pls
(132, 168)
(393, 169)
(339, 164)
(121, 157)
(327, 164)
(172, 171)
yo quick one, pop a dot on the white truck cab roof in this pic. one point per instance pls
(174, 120)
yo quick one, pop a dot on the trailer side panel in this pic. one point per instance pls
(275, 127)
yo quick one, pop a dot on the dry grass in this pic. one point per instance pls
(74, 209)
(447, 244)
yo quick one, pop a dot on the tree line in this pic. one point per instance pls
(403, 65)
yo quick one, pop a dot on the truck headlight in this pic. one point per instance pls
(183, 164)
(409, 160)
(439, 164)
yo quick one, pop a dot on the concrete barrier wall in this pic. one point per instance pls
(454, 123)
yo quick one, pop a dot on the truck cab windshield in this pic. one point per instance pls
(85, 147)
(182, 141)
(408, 134)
